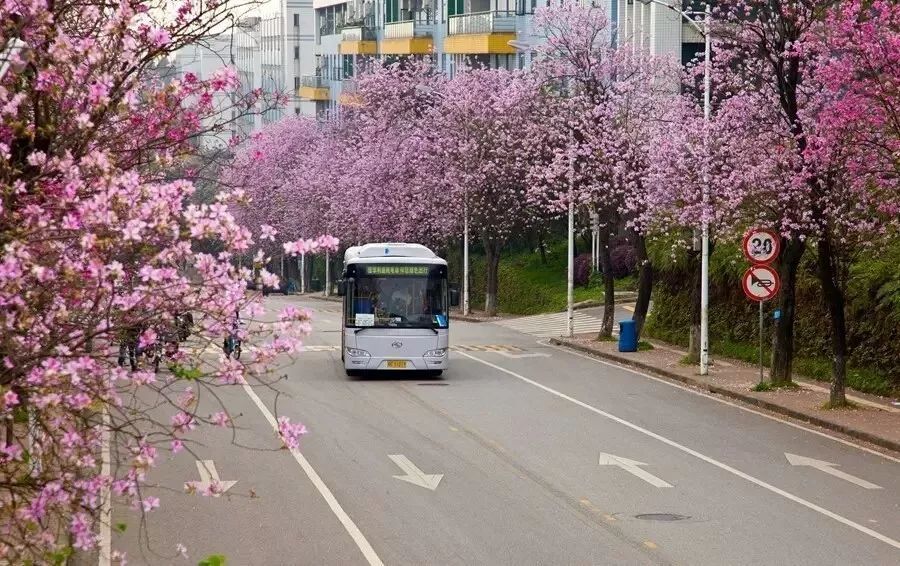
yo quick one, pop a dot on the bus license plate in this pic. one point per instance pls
(396, 364)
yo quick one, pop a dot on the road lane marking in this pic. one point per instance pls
(414, 475)
(210, 476)
(631, 466)
(719, 400)
(105, 550)
(721, 465)
(367, 551)
(829, 468)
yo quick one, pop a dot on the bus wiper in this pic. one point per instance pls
(360, 329)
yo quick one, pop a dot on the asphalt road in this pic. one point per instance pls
(537, 450)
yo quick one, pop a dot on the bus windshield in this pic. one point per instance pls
(397, 296)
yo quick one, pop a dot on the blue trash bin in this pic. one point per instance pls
(627, 336)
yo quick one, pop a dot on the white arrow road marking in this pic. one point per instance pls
(829, 468)
(690, 451)
(631, 466)
(414, 475)
(209, 475)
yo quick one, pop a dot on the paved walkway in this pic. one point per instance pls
(553, 324)
(875, 419)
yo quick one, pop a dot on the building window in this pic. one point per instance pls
(296, 52)
(296, 20)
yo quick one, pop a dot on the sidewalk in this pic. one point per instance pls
(874, 419)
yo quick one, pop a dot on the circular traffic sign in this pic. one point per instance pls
(760, 283)
(761, 246)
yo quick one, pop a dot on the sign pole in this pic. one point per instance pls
(761, 342)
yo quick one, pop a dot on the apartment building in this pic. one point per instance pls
(457, 32)
(287, 52)
(237, 49)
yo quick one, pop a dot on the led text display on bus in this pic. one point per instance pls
(395, 270)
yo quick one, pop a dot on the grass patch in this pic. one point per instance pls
(606, 339)
(644, 346)
(529, 286)
(769, 386)
(845, 406)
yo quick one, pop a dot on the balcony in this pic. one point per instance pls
(409, 37)
(313, 87)
(358, 40)
(481, 32)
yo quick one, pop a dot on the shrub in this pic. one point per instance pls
(582, 269)
(623, 260)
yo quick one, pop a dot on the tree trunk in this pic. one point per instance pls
(783, 333)
(834, 298)
(609, 289)
(492, 253)
(693, 354)
(645, 283)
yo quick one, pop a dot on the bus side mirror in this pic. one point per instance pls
(341, 288)
(454, 297)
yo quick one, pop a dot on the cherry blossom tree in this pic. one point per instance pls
(774, 155)
(612, 98)
(483, 115)
(101, 250)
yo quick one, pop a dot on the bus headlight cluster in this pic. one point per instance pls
(439, 353)
(354, 353)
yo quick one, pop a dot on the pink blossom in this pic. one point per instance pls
(290, 433)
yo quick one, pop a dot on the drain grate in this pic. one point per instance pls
(661, 517)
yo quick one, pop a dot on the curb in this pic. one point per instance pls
(320, 297)
(725, 392)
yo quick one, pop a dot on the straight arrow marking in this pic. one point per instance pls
(209, 475)
(631, 466)
(414, 475)
(830, 469)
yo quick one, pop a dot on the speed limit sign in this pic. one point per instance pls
(761, 246)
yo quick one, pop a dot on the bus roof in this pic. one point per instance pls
(392, 252)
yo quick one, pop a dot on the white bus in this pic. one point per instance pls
(396, 312)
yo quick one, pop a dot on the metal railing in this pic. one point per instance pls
(416, 24)
(357, 33)
(483, 22)
(313, 81)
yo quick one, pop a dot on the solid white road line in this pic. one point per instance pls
(723, 401)
(368, 552)
(105, 549)
(721, 465)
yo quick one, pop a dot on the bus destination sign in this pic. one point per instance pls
(396, 270)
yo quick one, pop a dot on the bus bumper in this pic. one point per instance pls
(396, 363)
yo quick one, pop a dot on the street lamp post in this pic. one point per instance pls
(465, 308)
(570, 274)
(706, 31)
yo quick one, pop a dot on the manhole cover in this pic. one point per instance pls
(661, 517)
(436, 384)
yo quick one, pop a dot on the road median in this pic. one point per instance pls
(873, 419)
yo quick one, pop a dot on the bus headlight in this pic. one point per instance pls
(439, 353)
(354, 353)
